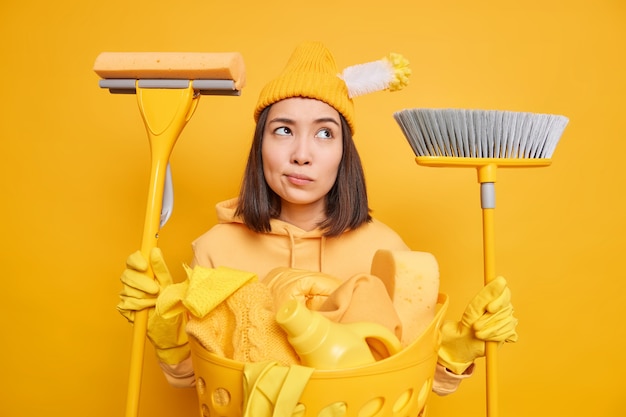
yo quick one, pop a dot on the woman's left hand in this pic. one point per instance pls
(488, 318)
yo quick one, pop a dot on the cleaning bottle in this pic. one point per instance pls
(323, 344)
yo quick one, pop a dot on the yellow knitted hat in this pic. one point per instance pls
(311, 72)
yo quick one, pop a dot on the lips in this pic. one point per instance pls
(298, 179)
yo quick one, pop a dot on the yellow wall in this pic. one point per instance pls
(74, 174)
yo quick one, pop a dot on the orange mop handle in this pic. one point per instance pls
(165, 113)
(487, 179)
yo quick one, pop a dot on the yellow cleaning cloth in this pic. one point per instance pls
(362, 298)
(202, 291)
(271, 390)
(208, 287)
(170, 301)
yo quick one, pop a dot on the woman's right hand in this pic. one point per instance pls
(140, 290)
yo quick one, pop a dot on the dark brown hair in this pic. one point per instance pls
(346, 202)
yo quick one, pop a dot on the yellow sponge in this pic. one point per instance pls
(412, 280)
(172, 65)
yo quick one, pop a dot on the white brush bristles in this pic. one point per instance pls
(368, 78)
(480, 133)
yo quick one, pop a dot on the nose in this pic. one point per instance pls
(301, 153)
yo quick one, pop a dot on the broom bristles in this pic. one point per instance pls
(481, 133)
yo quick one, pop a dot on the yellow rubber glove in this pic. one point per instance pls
(140, 291)
(488, 318)
(168, 337)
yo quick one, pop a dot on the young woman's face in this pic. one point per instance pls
(302, 149)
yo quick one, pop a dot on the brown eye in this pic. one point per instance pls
(282, 131)
(324, 134)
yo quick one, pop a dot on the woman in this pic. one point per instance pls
(303, 204)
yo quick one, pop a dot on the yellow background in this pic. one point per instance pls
(74, 176)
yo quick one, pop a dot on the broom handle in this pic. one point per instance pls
(165, 113)
(487, 179)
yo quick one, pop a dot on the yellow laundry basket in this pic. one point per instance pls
(397, 386)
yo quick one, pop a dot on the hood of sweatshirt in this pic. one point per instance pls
(232, 244)
(305, 243)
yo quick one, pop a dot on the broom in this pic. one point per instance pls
(484, 140)
(168, 86)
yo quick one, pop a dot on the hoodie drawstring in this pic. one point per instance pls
(322, 247)
(292, 248)
(292, 241)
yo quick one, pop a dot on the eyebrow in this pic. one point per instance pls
(291, 121)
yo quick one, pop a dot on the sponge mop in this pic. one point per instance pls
(208, 72)
(168, 86)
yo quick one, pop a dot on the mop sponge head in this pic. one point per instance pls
(172, 65)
